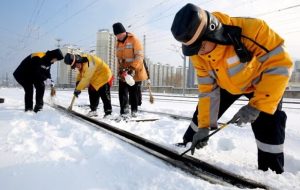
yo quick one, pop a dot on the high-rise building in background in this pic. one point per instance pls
(105, 49)
(295, 79)
(161, 75)
(66, 77)
(191, 76)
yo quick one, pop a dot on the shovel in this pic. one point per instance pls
(72, 102)
(223, 125)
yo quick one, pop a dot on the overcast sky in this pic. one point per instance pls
(34, 25)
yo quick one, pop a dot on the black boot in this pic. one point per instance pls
(37, 108)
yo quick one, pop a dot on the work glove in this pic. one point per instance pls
(123, 74)
(76, 93)
(131, 72)
(49, 82)
(200, 139)
(128, 78)
(247, 114)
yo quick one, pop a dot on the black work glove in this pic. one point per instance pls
(131, 72)
(199, 139)
(52, 84)
(247, 114)
(121, 74)
(76, 93)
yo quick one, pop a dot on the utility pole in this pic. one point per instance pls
(58, 64)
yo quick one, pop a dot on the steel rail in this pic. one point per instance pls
(186, 163)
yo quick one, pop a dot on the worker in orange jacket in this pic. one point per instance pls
(131, 68)
(236, 56)
(95, 74)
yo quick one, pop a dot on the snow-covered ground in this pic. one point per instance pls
(50, 150)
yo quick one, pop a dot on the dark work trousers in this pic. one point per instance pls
(269, 131)
(39, 94)
(104, 93)
(139, 92)
(132, 91)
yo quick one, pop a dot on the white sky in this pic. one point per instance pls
(30, 26)
(50, 150)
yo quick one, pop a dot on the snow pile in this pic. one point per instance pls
(50, 150)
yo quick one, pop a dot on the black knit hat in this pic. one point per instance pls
(56, 53)
(188, 27)
(71, 59)
(118, 28)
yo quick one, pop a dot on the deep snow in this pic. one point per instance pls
(50, 150)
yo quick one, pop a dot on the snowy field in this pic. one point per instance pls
(52, 151)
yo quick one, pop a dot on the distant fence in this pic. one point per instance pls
(292, 94)
(174, 90)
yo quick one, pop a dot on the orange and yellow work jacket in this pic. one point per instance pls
(266, 75)
(130, 56)
(95, 72)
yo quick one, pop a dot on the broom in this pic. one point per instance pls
(53, 92)
(150, 94)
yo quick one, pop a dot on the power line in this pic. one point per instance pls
(295, 31)
(11, 32)
(85, 38)
(278, 10)
(53, 15)
(21, 44)
(70, 17)
(159, 17)
(34, 16)
(142, 13)
(162, 15)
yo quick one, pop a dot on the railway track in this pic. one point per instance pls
(186, 163)
(286, 104)
(174, 116)
(195, 98)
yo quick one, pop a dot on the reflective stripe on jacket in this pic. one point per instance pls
(95, 72)
(267, 74)
(130, 56)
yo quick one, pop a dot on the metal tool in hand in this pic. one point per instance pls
(223, 125)
(72, 102)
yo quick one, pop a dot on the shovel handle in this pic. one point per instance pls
(151, 99)
(223, 125)
(72, 102)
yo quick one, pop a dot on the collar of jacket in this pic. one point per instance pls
(122, 41)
